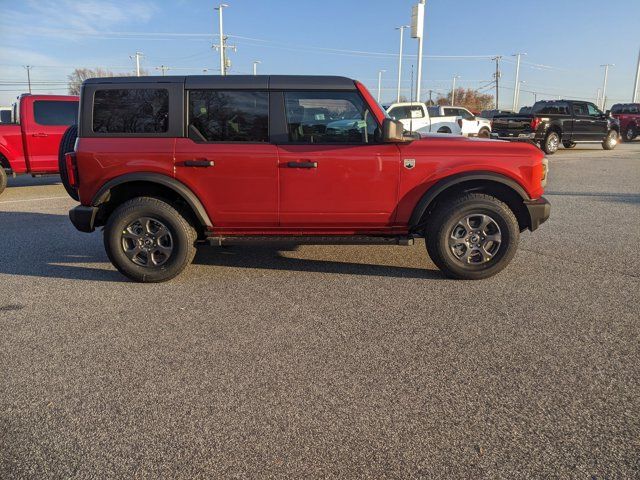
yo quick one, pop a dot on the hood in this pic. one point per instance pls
(465, 146)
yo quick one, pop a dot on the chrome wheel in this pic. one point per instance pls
(612, 138)
(553, 142)
(475, 239)
(147, 242)
(629, 134)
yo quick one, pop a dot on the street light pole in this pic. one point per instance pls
(29, 67)
(417, 31)
(255, 66)
(401, 28)
(453, 90)
(516, 86)
(604, 84)
(223, 69)
(137, 56)
(380, 72)
(518, 94)
(636, 85)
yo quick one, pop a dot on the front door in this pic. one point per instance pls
(44, 126)
(227, 159)
(599, 127)
(334, 173)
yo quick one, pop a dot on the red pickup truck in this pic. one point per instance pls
(30, 143)
(628, 114)
(164, 163)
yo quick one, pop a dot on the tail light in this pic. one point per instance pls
(535, 123)
(72, 169)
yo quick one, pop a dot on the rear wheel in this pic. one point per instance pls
(148, 240)
(484, 133)
(611, 140)
(472, 237)
(3, 179)
(66, 145)
(629, 133)
(444, 130)
(568, 144)
(550, 143)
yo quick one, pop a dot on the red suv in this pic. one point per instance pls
(166, 162)
(628, 114)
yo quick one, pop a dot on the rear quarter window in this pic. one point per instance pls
(51, 112)
(131, 111)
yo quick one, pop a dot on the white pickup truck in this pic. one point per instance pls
(415, 118)
(470, 125)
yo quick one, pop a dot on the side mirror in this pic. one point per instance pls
(392, 131)
(607, 113)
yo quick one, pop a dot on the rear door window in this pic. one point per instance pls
(228, 116)
(580, 109)
(130, 111)
(406, 112)
(51, 112)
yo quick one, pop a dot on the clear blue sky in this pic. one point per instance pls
(566, 41)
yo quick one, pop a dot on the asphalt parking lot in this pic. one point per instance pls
(341, 361)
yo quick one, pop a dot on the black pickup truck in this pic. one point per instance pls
(560, 121)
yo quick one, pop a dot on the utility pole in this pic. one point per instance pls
(417, 31)
(430, 97)
(223, 66)
(453, 90)
(604, 84)
(255, 67)
(380, 72)
(401, 28)
(137, 56)
(517, 83)
(163, 68)
(29, 67)
(636, 85)
(497, 77)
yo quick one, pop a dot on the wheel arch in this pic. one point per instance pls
(123, 188)
(504, 188)
(4, 159)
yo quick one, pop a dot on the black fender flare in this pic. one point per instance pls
(448, 182)
(180, 188)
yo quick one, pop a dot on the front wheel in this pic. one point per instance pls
(629, 134)
(472, 237)
(148, 240)
(484, 133)
(611, 140)
(550, 143)
(569, 144)
(3, 179)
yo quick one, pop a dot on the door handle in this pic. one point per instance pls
(302, 164)
(40, 134)
(199, 162)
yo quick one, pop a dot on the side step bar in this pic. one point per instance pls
(309, 240)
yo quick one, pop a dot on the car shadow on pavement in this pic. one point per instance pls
(47, 245)
(271, 258)
(603, 196)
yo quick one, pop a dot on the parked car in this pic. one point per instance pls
(5, 115)
(416, 118)
(489, 114)
(628, 114)
(30, 144)
(165, 162)
(559, 121)
(470, 125)
(525, 110)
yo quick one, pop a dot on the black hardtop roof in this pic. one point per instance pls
(275, 82)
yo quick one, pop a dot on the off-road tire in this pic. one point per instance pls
(444, 219)
(550, 143)
(484, 133)
(611, 140)
(569, 144)
(66, 145)
(183, 235)
(3, 179)
(630, 134)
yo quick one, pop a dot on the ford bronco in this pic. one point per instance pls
(165, 163)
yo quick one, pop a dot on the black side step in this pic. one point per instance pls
(309, 240)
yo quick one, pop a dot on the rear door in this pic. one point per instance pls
(44, 123)
(227, 159)
(582, 128)
(334, 173)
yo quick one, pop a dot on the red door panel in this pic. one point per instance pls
(45, 122)
(240, 189)
(353, 186)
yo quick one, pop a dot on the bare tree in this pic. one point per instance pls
(79, 75)
(469, 98)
